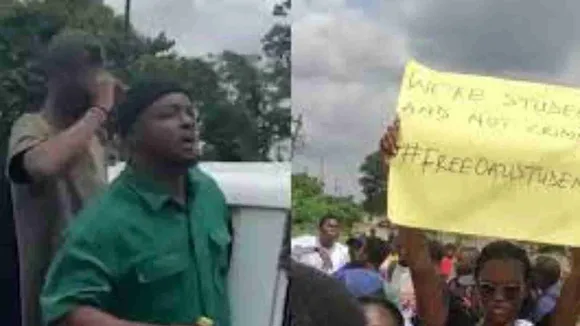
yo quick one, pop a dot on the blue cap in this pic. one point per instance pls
(361, 282)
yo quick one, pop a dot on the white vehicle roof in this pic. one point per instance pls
(260, 184)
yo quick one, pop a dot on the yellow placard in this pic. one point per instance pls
(487, 156)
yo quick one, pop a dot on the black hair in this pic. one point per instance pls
(546, 320)
(354, 243)
(377, 250)
(450, 247)
(385, 304)
(325, 219)
(504, 250)
(436, 251)
(470, 254)
(71, 48)
(317, 299)
(550, 249)
(548, 268)
(470, 250)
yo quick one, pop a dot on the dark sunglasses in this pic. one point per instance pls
(508, 292)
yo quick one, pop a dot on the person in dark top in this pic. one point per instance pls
(314, 298)
(459, 315)
(502, 274)
(381, 312)
(355, 249)
(317, 299)
(463, 284)
(547, 273)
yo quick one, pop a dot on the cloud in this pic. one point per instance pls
(203, 26)
(348, 58)
(342, 47)
(344, 66)
(528, 36)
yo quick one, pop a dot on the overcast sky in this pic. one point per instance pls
(203, 26)
(348, 56)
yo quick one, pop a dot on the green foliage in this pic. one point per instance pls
(277, 46)
(310, 203)
(374, 184)
(244, 103)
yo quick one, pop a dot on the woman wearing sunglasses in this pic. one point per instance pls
(502, 275)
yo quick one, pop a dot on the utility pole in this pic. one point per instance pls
(322, 172)
(127, 17)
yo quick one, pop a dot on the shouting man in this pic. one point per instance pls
(55, 162)
(155, 248)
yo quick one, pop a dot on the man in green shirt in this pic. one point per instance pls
(154, 249)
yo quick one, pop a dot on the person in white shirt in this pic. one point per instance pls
(323, 251)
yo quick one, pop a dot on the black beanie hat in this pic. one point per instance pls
(139, 97)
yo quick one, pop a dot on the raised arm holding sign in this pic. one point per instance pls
(473, 187)
(502, 276)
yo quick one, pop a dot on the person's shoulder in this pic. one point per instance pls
(321, 299)
(460, 318)
(105, 214)
(303, 241)
(366, 274)
(306, 238)
(342, 247)
(200, 176)
(206, 181)
(35, 117)
(29, 126)
(31, 122)
(458, 314)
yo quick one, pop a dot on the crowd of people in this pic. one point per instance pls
(412, 280)
(378, 274)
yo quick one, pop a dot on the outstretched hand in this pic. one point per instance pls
(389, 141)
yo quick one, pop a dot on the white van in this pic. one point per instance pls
(259, 194)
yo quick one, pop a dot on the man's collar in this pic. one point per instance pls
(319, 244)
(152, 192)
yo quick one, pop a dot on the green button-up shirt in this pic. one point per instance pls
(140, 256)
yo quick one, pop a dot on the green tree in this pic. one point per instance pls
(373, 181)
(310, 203)
(276, 47)
(307, 201)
